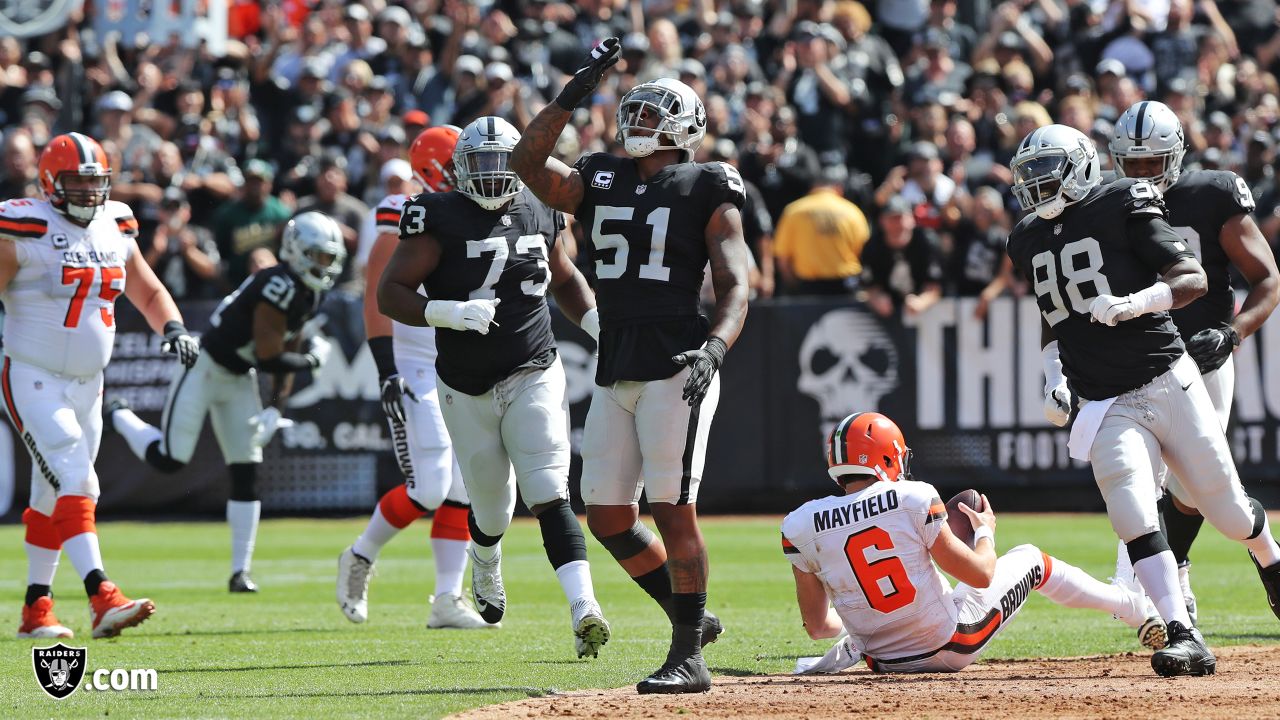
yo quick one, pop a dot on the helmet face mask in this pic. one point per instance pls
(75, 176)
(1055, 166)
(663, 114)
(312, 246)
(482, 163)
(431, 156)
(1146, 132)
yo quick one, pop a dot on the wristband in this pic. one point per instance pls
(984, 531)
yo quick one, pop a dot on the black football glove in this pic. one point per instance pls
(1211, 347)
(584, 82)
(177, 341)
(703, 364)
(394, 390)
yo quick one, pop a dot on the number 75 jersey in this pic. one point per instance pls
(60, 306)
(871, 552)
(1088, 251)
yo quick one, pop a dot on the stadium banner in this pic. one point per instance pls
(967, 393)
(139, 23)
(32, 18)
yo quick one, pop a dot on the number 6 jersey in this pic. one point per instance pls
(61, 304)
(1085, 252)
(649, 250)
(871, 552)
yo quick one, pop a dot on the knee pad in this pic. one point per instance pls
(450, 522)
(1259, 518)
(561, 534)
(244, 481)
(41, 531)
(398, 508)
(478, 536)
(158, 460)
(74, 515)
(1145, 546)
(628, 543)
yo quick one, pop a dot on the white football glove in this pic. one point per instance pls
(265, 425)
(1057, 405)
(475, 315)
(1110, 309)
(318, 350)
(590, 323)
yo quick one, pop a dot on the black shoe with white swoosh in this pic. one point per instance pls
(486, 587)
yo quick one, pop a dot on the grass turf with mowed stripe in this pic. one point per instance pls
(289, 652)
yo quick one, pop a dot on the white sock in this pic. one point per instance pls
(42, 564)
(84, 553)
(1159, 577)
(451, 562)
(138, 434)
(243, 518)
(1069, 586)
(575, 580)
(1264, 547)
(486, 554)
(376, 534)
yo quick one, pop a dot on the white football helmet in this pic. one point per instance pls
(1055, 166)
(681, 118)
(482, 162)
(1149, 129)
(312, 246)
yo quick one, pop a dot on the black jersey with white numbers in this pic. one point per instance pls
(1199, 204)
(647, 240)
(1085, 252)
(488, 254)
(230, 340)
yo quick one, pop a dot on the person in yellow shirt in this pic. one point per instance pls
(819, 239)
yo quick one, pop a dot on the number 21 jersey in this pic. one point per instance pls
(1086, 252)
(648, 244)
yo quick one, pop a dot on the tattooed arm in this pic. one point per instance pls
(555, 183)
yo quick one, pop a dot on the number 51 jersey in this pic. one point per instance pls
(61, 303)
(871, 551)
(648, 244)
(1086, 252)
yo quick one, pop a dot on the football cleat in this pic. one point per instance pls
(1271, 583)
(38, 621)
(240, 582)
(451, 611)
(353, 585)
(712, 628)
(486, 587)
(688, 676)
(109, 411)
(1186, 653)
(112, 612)
(590, 629)
(1140, 612)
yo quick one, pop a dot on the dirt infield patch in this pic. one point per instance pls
(1112, 686)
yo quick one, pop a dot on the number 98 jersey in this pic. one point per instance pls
(648, 244)
(488, 254)
(1086, 252)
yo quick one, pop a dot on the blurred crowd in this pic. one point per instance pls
(874, 136)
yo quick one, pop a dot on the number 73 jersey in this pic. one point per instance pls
(1089, 251)
(871, 552)
(61, 304)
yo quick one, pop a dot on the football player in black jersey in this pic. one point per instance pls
(1211, 211)
(1106, 268)
(487, 252)
(655, 220)
(260, 326)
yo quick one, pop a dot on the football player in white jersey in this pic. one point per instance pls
(266, 324)
(872, 549)
(63, 262)
(405, 357)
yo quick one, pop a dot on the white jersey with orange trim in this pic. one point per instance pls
(871, 551)
(60, 307)
(412, 345)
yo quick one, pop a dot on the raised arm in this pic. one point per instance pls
(555, 183)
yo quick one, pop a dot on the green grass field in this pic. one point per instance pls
(289, 652)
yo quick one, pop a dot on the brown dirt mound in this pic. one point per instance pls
(1246, 685)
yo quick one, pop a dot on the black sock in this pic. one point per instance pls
(657, 582)
(686, 625)
(35, 592)
(93, 580)
(1180, 528)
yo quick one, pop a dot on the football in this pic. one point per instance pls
(959, 522)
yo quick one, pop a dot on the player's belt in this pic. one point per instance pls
(967, 639)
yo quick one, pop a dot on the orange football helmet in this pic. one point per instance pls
(868, 443)
(431, 156)
(75, 176)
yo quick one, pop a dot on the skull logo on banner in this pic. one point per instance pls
(847, 363)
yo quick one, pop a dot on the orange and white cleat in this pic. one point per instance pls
(112, 612)
(38, 621)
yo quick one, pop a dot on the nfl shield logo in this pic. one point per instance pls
(641, 188)
(862, 459)
(59, 669)
(506, 220)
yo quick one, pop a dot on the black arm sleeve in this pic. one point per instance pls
(285, 362)
(383, 356)
(1155, 241)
